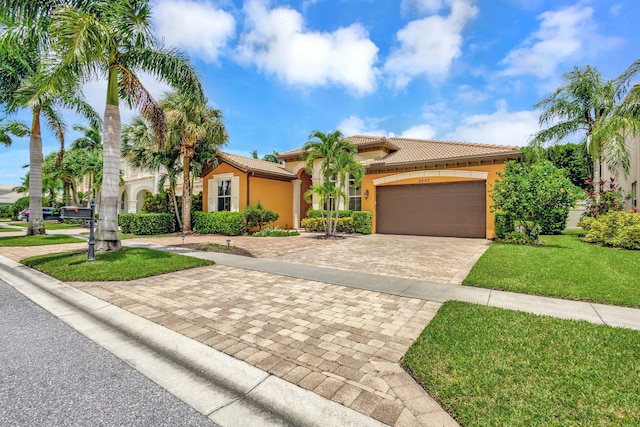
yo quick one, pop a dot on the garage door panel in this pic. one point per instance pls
(456, 209)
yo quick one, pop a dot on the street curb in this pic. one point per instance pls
(227, 390)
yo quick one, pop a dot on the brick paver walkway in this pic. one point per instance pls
(341, 343)
(433, 259)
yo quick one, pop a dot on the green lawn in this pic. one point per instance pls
(129, 264)
(495, 367)
(50, 239)
(565, 267)
(9, 230)
(50, 225)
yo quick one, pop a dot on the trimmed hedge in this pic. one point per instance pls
(226, 223)
(617, 229)
(146, 223)
(345, 225)
(362, 221)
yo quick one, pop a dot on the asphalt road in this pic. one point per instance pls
(50, 375)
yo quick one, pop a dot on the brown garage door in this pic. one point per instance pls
(456, 209)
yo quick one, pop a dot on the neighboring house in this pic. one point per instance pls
(628, 183)
(138, 182)
(411, 186)
(7, 195)
(240, 181)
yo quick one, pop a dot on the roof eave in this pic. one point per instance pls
(381, 166)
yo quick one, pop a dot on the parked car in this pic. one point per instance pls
(47, 214)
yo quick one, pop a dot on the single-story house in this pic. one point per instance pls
(411, 186)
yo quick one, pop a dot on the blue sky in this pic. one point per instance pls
(465, 70)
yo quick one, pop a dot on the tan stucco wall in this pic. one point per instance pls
(369, 204)
(274, 195)
(224, 168)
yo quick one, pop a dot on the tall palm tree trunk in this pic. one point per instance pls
(186, 194)
(36, 221)
(107, 237)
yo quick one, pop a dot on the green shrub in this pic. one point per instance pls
(345, 225)
(362, 222)
(196, 202)
(158, 203)
(275, 232)
(617, 229)
(226, 223)
(257, 216)
(317, 213)
(146, 223)
(21, 204)
(6, 211)
(586, 222)
(518, 238)
(538, 195)
(504, 224)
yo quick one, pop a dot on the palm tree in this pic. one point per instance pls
(90, 142)
(13, 127)
(336, 157)
(31, 80)
(141, 149)
(193, 127)
(115, 37)
(601, 109)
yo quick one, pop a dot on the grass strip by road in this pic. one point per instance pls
(50, 239)
(564, 267)
(491, 366)
(128, 264)
(9, 230)
(50, 225)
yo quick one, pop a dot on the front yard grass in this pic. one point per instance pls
(128, 264)
(50, 239)
(492, 366)
(49, 225)
(564, 267)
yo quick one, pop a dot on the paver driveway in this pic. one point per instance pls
(433, 259)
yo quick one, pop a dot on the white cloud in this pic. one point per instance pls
(420, 132)
(199, 28)
(278, 43)
(501, 127)
(423, 6)
(469, 95)
(564, 35)
(428, 46)
(354, 125)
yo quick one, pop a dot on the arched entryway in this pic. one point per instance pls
(140, 200)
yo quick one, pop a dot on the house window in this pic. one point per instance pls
(224, 195)
(355, 195)
(123, 203)
(634, 194)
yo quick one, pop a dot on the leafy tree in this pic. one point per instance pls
(604, 110)
(273, 157)
(336, 158)
(257, 216)
(536, 196)
(116, 37)
(573, 158)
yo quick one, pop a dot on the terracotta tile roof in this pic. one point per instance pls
(409, 150)
(247, 164)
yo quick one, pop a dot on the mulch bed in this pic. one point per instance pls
(214, 247)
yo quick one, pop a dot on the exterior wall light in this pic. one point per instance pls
(366, 194)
